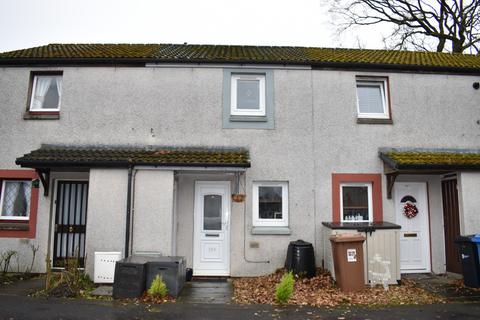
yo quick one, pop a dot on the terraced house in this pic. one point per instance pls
(225, 154)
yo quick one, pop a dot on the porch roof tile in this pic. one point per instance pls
(107, 156)
(431, 159)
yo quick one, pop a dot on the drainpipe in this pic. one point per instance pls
(127, 222)
(132, 208)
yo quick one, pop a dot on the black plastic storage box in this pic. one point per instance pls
(129, 280)
(470, 261)
(172, 270)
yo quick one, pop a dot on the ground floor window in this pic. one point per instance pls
(270, 204)
(15, 199)
(357, 197)
(356, 202)
(19, 190)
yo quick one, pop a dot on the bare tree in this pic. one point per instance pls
(430, 25)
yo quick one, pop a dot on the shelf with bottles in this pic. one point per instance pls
(355, 214)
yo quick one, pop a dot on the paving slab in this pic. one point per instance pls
(103, 291)
(214, 292)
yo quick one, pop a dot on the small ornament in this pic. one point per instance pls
(410, 210)
(238, 197)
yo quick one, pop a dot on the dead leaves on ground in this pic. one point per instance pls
(321, 291)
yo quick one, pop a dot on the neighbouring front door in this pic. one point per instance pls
(211, 247)
(70, 224)
(412, 215)
(451, 224)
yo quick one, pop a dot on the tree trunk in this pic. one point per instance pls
(457, 46)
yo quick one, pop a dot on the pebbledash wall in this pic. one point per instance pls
(315, 135)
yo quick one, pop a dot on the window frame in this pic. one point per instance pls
(234, 111)
(2, 194)
(369, 195)
(377, 199)
(259, 222)
(34, 77)
(381, 82)
(21, 228)
(229, 121)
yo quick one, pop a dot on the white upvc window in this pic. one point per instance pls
(270, 204)
(372, 98)
(46, 93)
(356, 202)
(247, 95)
(15, 199)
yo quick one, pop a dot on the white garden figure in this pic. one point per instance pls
(380, 277)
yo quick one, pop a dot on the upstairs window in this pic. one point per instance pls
(15, 199)
(46, 93)
(248, 95)
(270, 204)
(372, 98)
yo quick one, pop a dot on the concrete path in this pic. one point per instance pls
(23, 287)
(445, 285)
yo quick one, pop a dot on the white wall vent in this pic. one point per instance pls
(104, 268)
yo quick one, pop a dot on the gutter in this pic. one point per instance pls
(119, 164)
(315, 65)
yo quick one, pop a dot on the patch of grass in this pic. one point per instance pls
(284, 289)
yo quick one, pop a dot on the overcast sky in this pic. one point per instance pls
(28, 23)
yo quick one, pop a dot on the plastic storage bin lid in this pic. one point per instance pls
(347, 237)
(476, 238)
(463, 239)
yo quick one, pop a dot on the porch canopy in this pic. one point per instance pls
(426, 161)
(61, 157)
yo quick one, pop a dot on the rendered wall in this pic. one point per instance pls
(153, 212)
(469, 202)
(422, 112)
(315, 134)
(107, 200)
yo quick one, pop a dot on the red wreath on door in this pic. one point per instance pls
(410, 210)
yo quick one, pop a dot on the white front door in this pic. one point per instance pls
(411, 199)
(211, 234)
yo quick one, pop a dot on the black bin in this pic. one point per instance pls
(189, 274)
(470, 260)
(129, 280)
(301, 258)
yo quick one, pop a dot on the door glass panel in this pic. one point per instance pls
(212, 212)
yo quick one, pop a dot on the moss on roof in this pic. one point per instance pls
(50, 156)
(251, 54)
(432, 159)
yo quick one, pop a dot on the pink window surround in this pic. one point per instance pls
(374, 178)
(32, 221)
